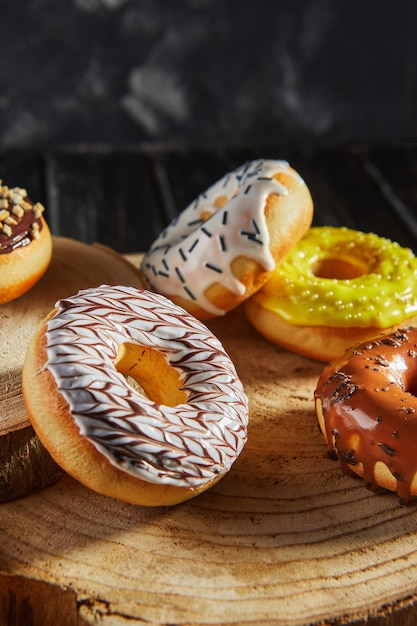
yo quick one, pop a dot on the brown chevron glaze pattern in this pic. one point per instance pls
(187, 445)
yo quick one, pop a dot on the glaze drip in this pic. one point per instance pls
(186, 445)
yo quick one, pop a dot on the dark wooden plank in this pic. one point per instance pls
(123, 198)
(184, 174)
(24, 168)
(345, 192)
(106, 197)
(393, 171)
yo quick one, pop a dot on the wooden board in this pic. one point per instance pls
(285, 538)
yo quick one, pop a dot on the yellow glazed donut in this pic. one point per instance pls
(163, 443)
(223, 247)
(367, 410)
(335, 288)
(25, 243)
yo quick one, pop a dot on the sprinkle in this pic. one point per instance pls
(210, 266)
(226, 180)
(251, 236)
(193, 245)
(349, 457)
(179, 274)
(190, 293)
(388, 450)
(206, 232)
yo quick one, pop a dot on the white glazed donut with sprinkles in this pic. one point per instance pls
(224, 246)
(159, 445)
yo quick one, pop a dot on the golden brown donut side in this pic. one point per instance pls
(366, 407)
(322, 343)
(53, 423)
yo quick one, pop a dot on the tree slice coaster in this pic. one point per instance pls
(284, 539)
(24, 462)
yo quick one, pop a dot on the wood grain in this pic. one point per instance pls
(285, 538)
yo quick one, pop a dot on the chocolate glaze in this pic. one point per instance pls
(21, 232)
(370, 408)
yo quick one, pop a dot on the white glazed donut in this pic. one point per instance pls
(224, 246)
(158, 446)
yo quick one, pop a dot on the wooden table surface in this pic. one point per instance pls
(285, 538)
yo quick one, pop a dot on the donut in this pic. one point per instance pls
(134, 397)
(223, 247)
(25, 243)
(335, 288)
(366, 406)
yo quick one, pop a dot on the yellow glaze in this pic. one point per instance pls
(342, 277)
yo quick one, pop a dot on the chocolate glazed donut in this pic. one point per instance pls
(25, 243)
(366, 405)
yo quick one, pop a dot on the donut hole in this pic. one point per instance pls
(337, 268)
(148, 372)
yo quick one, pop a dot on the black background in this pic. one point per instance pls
(165, 71)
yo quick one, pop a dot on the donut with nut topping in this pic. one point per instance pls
(25, 243)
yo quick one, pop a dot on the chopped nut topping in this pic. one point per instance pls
(14, 205)
(38, 209)
(18, 211)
